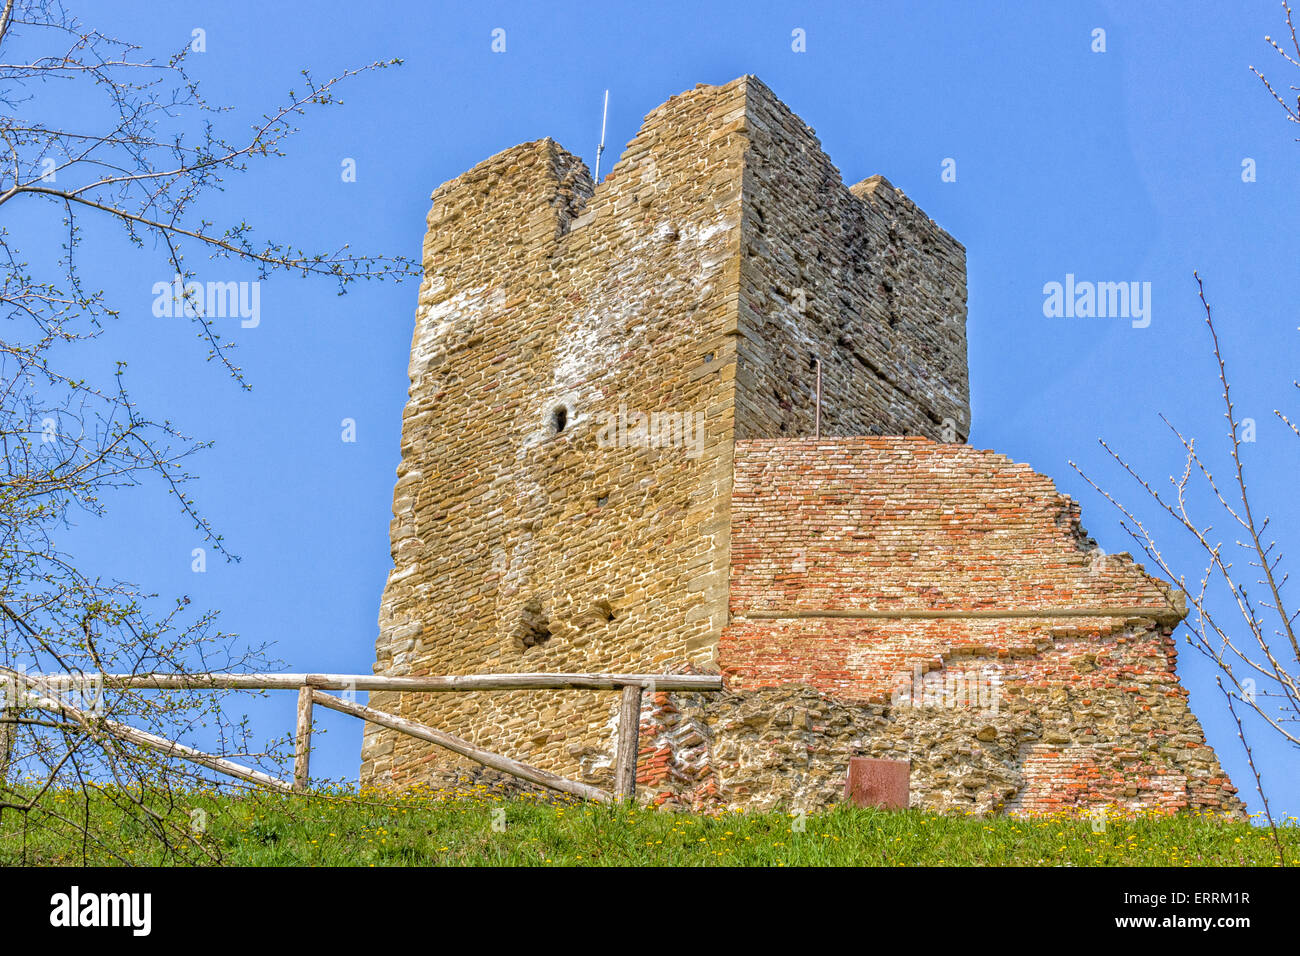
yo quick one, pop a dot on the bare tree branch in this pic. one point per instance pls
(151, 152)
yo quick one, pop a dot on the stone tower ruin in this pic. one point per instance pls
(607, 466)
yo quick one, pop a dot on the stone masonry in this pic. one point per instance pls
(605, 467)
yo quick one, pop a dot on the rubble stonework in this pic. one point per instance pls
(603, 470)
(908, 599)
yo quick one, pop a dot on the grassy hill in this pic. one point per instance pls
(425, 828)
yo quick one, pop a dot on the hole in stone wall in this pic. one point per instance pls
(534, 626)
(535, 635)
(559, 419)
(598, 613)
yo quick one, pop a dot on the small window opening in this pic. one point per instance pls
(559, 419)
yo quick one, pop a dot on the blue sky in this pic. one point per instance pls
(1116, 166)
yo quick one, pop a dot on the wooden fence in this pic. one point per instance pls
(44, 692)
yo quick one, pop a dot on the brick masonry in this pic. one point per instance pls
(602, 469)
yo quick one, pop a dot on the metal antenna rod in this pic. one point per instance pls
(818, 432)
(601, 148)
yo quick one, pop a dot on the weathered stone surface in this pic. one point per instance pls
(605, 467)
(789, 746)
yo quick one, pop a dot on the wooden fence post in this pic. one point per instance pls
(8, 733)
(629, 743)
(302, 741)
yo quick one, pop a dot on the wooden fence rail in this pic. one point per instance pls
(369, 682)
(35, 694)
(46, 692)
(462, 747)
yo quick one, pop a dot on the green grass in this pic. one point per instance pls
(479, 829)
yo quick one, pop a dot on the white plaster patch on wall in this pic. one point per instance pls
(606, 759)
(704, 234)
(792, 318)
(518, 564)
(583, 348)
(395, 576)
(697, 268)
(649, 171)
(436, 319)
(719, 254)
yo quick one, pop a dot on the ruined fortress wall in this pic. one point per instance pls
(533, 529)
(943, 605)
(1043, 750)
(910, 524)
(546, 520)
(519, 545)
(859, 278)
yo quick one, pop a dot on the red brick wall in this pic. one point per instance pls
(894, 523)
(868, 660)
(884, 570)
(876, 526)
